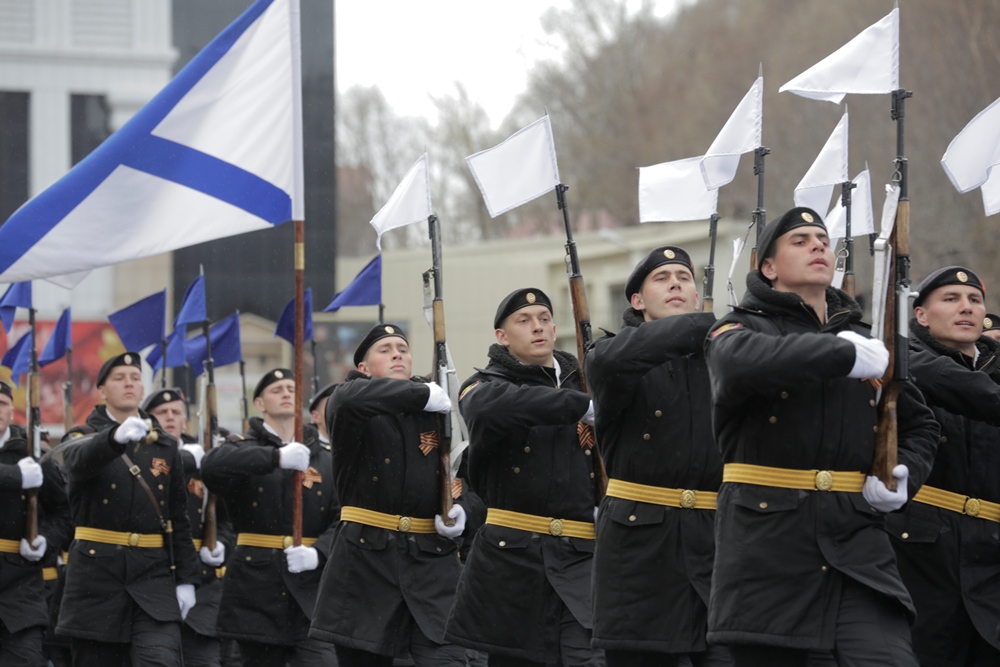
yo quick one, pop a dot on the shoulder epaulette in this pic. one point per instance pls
(234, 438)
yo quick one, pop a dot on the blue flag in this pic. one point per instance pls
(193, 306)
(226, 348)
(286, 323)
(364, 290)
(18, 358)
(18, 295)
(175, 352)
(143, 323)
(60, 340)
(217, 152)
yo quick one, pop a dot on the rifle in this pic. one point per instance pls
(67, 388)
(584, 334)
(759, 215)
(244, 403)
(707, 300)
(897, 302)
(441, 367)
(34, 428)
(845, 199)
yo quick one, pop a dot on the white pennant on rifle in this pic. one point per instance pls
(972, 155)
(410, 201)
(521, 168)
(673, 191)
(828, 170)
(868, 65)
(862, 219)
(741, 134)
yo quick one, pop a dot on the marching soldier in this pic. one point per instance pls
(269, 591)
(655, 543)
(991, 326)
(24, 612)
(391, 578)
(524, 596)
(317, 411)
(946, 538)
(201, 645)
(802, 560)
(132, 567)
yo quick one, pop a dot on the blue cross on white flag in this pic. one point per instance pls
(217, 152)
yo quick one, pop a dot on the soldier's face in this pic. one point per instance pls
(6, 412)
(529, 334)
(319, 416)
(668, 290)
(277, 400)
(389, 357)
(954, 316)
(122, 389)
(171, 416)
(803, 259)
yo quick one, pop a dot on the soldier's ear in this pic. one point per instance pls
(259, 404)
(502, 337)
(363, 368)
(767, 268)
(921, 314)
(636, 302)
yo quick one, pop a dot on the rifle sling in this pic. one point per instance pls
(137, 473)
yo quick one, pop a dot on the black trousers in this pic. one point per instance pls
(304, 653)
(574, 647)
(425, 653)
(153, 644)
(715, 656)
(199, 650)
(872, 631)
(22, 648)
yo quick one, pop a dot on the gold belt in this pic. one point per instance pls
(784, 478)
(197, 544)
(220, 572)
(659, 495)
(956, 502)
(50, 573)
(121, 539)
(10, 546)
(402, 524)
(270, 541)
(540, 524)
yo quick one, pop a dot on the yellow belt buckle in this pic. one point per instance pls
(824, 480)
(688, 498)
(133, 539)
(404, 524)
(556, 527)
(287, 542)
(972, 507)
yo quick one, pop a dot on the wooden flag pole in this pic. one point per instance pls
(299, 370)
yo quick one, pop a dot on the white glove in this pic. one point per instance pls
(132, 429)
(35, 551)
(301, 559)
(294, 456)
(185, 598)
(596, 510)
(214, 557)
(588, 417)
(880, 497)
(195, 450)
(438, 401)
(871, 357)
(31, 473)
(457, 512)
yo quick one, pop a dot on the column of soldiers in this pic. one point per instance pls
(740, 524)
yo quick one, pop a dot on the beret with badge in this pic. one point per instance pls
(6, 390)
(277, 375)
(161, 396)
(991, 322)
(518, 299)
(949, 275)
(378, 332)
(668, 254)
(321, 394)
(800, 216)
(124, 359)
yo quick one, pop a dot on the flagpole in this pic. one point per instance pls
(381, 313)
(707, 300)
(315, 373)
(34, 431)
(68, 417)
(244, 404)
(441, 368)
(163, 357)
(209, 430)
(299, 371)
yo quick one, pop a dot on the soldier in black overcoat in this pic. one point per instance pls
(802, 561)
(391, 577)
(129, 580)
(946, 539)
(655, 530)
(269, 589)
(23, 605)
(525, 593)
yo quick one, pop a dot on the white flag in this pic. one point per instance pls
(521, 168)
(674, 191)
(868, 64)
(739, 135)
(971, 156)
(828, 170)
(862, 219)
(217, 152)
(410, 201)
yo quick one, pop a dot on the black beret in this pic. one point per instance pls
(667, 254)
(799, 216)
(6, 390)
(161, 396)
(949, 275)
(518, 299)
(321, 394)
(378, 332)
(270, 378)
(78, 432)
(991, 322)
(124, 359)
